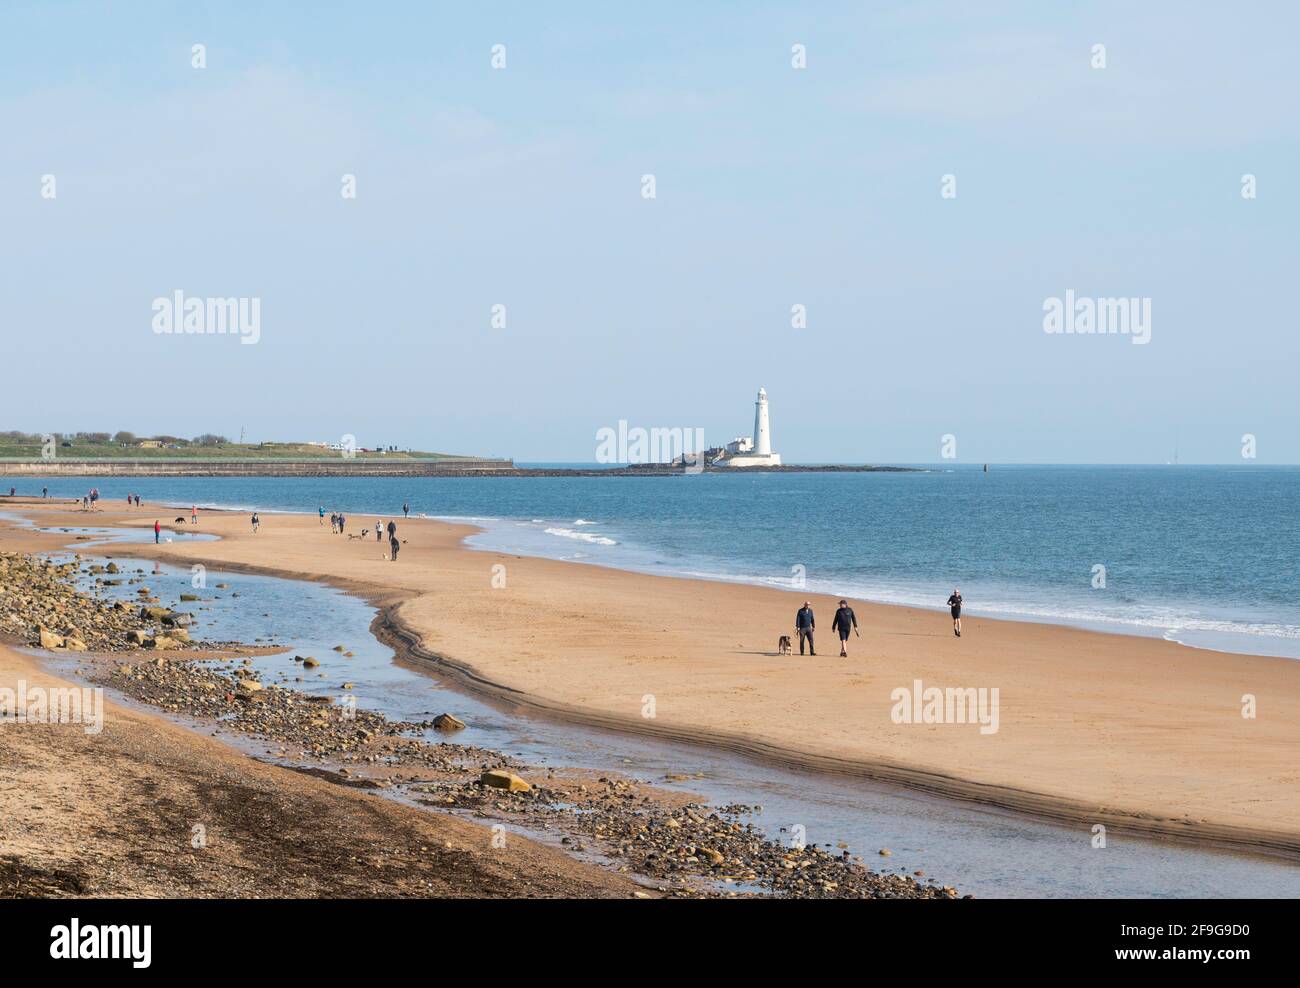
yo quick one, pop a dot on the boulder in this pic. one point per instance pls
(501, 779)
(49, 639)
(446, 722)
(74, 644)
(309, 663)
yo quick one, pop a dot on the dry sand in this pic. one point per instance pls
(1134, 733)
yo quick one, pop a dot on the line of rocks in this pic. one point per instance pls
(689, 849)
(40, 603)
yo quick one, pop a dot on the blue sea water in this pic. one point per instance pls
(1202, 555)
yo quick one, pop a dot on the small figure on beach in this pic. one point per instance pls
(256, 522)
(406, 510)
(379, 530)
(392, 530)
(804, 625)
(341, 522)
(954, 603)
(393, 546)
(322, 514)
(194, 515)
(157, 531)
(845, 619)
(45, 492)
(334, 522)
(137, 500)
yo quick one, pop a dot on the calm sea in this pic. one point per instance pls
(1202, 555)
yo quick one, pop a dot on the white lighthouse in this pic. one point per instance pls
(762, 431)
(756, 450)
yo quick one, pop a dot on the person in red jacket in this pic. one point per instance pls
(157, 530)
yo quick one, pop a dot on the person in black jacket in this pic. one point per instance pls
(804, 625)
(844, 620)
(954, 604)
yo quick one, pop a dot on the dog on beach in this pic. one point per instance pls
(179, 521)
(783, 645)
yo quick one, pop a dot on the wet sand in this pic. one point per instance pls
(1137, 734)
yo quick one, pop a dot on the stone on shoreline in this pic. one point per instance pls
(446, 722)
(500, 779)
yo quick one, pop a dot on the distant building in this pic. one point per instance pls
(151, 444)
(755, 450)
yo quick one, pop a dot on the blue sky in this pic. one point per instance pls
(775, 187)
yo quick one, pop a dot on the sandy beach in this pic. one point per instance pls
(1136, 734)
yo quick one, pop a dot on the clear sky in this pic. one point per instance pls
(775, 186)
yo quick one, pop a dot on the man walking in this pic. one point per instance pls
(392, 530)
(845, 619)
(393, 546)
(406, 510)
(157, 531)
(805, 624)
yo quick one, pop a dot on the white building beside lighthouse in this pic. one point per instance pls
(755, 450)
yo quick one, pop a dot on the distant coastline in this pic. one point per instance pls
(341, 466)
